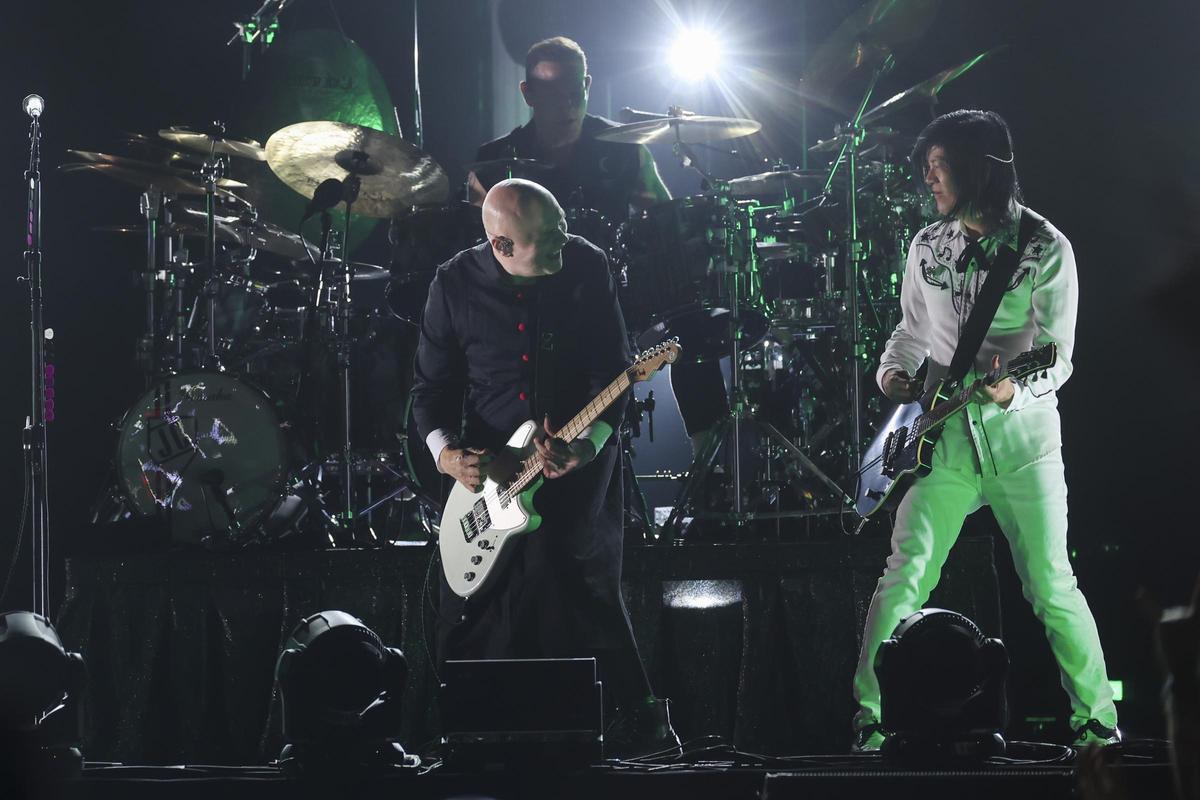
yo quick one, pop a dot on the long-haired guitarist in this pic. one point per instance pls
(1005, 451)
(527, 326)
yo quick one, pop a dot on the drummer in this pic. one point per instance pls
(609, 177)
(606, 176)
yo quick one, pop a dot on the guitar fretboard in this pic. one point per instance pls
(941, 412)
(532, 466)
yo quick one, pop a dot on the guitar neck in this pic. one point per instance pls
(938, 415)
(532, 466)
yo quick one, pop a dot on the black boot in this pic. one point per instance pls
(642, 730)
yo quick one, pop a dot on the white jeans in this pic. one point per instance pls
(1030, 504)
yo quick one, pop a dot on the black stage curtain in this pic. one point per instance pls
(753, 642)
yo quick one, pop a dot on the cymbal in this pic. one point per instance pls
(866, 37)
(689, 129)
(164, 178)
(125, 162)
(926, 90)
(872, 138)
(500, 168)
(792, 181)
(256, 233)
(201, 142)
(394, 174)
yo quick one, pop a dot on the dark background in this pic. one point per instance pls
(1102, 99)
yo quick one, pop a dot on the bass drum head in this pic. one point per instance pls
(204, 450)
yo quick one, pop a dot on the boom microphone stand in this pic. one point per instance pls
(36, 461)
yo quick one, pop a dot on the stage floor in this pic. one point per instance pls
(814, 778)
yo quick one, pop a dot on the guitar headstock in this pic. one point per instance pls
(652, 360)
(1032, 361)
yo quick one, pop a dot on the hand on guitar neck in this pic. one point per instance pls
(558, 457)
(999, 392)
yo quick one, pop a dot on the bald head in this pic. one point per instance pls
(525, 226)
(515, 207)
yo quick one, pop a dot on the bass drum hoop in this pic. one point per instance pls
(275, 488)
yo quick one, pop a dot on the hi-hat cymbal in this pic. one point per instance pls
(867, 37)
(689, 129)
(201, 142)
(394, 174)
(164, 178)
(926, 90)
(792, 181)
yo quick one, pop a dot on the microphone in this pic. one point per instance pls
(33, 105)
(328, 194)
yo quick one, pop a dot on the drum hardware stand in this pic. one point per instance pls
(260, 27)
(740, 268)
(854, 255)
(37, 463)
(149, 349)
(636, 509)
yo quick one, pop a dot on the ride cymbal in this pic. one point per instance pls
(394, 174)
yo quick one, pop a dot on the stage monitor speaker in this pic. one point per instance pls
(521, 713)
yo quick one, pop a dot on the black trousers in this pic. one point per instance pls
(559, 593)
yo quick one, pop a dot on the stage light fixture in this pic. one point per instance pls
(695, 55)
(942, 684)
(341, 689)
(41, 686)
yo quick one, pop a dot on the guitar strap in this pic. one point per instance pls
(1000, 273)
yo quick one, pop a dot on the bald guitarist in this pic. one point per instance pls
(527, 326)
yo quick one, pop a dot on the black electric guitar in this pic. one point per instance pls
(903, 450)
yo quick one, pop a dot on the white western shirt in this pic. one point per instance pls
(1039, 306)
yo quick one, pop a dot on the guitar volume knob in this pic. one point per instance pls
(476, 560)
(470, 576)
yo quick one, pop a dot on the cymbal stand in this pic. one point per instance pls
(740, 269)
(149, 349)
(854, 255)
(211, 172)
(351, 185)
(739, 266)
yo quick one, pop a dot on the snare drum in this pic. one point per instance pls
(207, 451)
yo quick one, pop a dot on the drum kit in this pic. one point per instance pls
(275, 404)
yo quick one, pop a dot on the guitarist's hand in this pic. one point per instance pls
(1001, 393)
(559, 457)
(900, 387)
(465, 465)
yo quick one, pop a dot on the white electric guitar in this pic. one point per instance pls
(478, 527)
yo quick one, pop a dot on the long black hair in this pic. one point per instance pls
(979, 152)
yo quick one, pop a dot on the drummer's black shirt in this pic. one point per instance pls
(484, 340)
(600, 175)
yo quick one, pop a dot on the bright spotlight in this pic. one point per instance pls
(696, 55)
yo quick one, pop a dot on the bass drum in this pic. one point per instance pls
(205, 450)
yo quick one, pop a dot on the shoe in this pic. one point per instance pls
(868, 739)
(642, 730)
(1092, 732)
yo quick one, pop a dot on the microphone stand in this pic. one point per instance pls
(36, 458)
